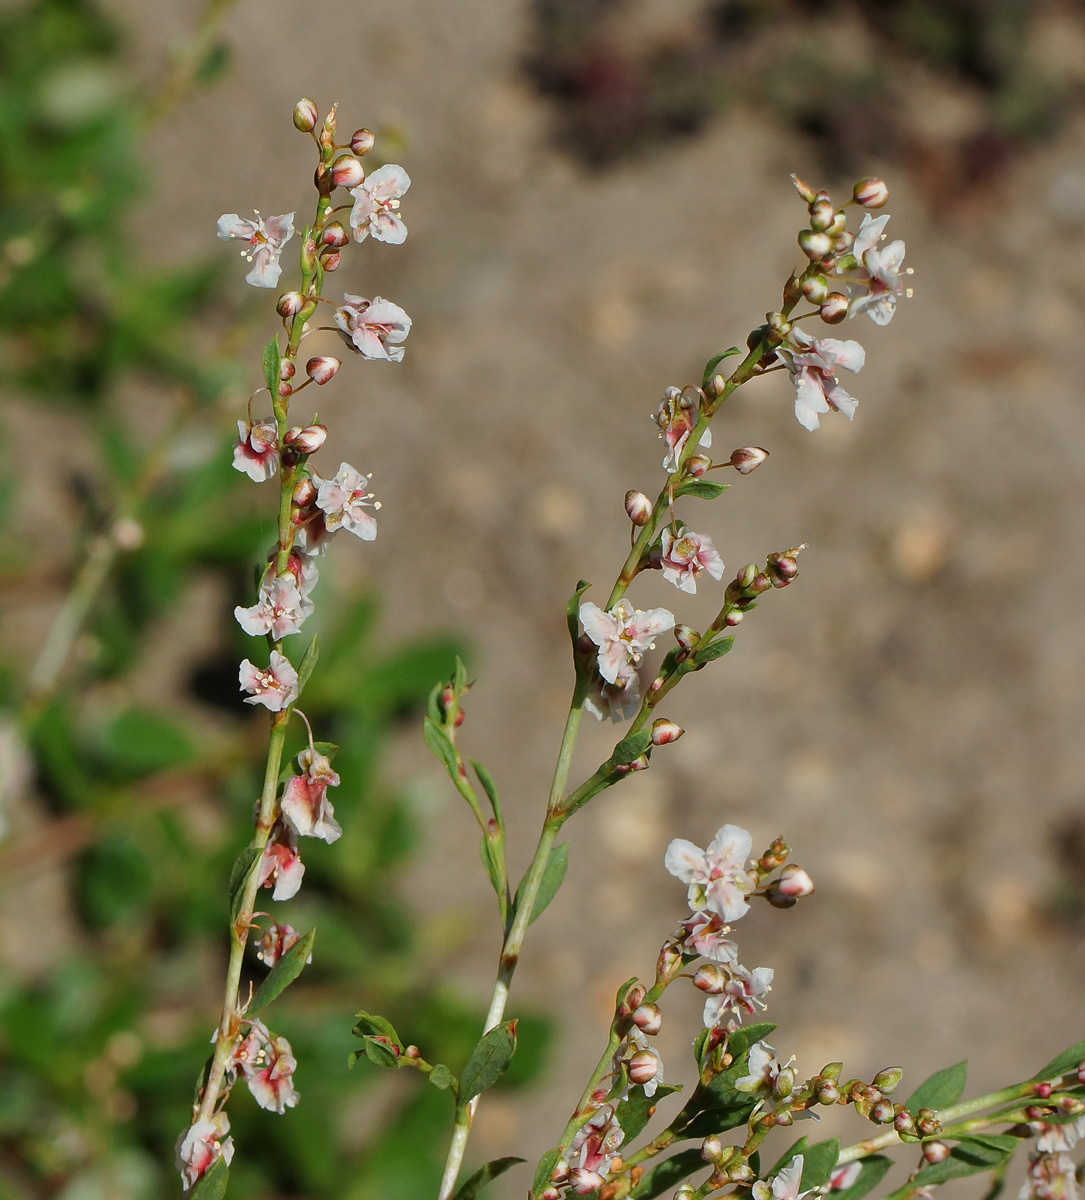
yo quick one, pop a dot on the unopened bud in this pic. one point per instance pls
(838, 224)
(710, 978)
(329, 120)
(638, 507)
(761, 583)
(641, 763)
(665, 731)
(822, 214)
(804, 189)
(784, 1083)
(686, 637)
(412, 1052)
(794, 881)
(361, 142)
(669, 960)
(828, 1093)
(712, 1149)
(815, 244)
(886, 1081)
(831, 1070)
(560, 1173)
(304, 493)
(127, 533)
(834, 308)
(748, 458)
(935, 1152)
(904, 1122)
(882, 1112)
(320, 370)
(347, 171)
(329, 260)
(1041, 1090)
(927, 1123)
(285, 390)
(686, 1192)
(746, 576)
(643, 1066)
(631, 999)
(714, 388)
(648, 1019)
(845, 239)
(305, 116)
(307, 440)
(871, 193)
(287, 369)
(778, 327)
(733, 618)
(815, 288)
(792, 291)
(584, 1182)
(550, 1193)
(290, 304)
(334, 234)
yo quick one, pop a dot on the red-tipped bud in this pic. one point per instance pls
(648, 1019)
(697, 464)
(664, 732)
(305, 116)
(638, 507)
(794, 881)
(828, 1093)
(285, 390)
(320, 370)
(903, 1121)
(412, 1052)
(1042, 1090)
(329, 260)
(304, 493)
(744, 579)
(640, 764)
(669, 960)
(935, 1152)
(334, 235)
(560, 1173)
(815, 244)
(329, 120)
(815, 288)
(748, 459)
(347, 171)
(734, 618)
(290, 304)
(822, 214)
(643, 1066)
(287, 369)
(710, 978)
(361, 142)
(927, 1123)
(834, 308)
(871, 193)
(551, 1193)
(686, 637)
(307, 440)
(882, 1112)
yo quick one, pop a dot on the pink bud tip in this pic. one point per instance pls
(834, 309)
(709, 978)
(347, 171)
(304, 493)
(697, 464)
(334, 234)
(330, 259)
(748, 458)
(286, 369)
(307, 440)
(648, 1019)
(871, 193)
(664, 732)
(643, 1066)
(361, 142)
(320, 370)
(638, 507)
(290, 304)
(305, 116)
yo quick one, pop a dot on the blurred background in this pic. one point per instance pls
(600, 202)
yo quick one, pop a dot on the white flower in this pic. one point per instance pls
(344, 500)
(883, 265)
(373, 327)
(623, 634)
(617, 701)
(741, 994)
(686, 555)
(256, 453)
(305, 804)
(676, 416)
(717, 877)
(707, 935)
(1055, 1138)
(200, 1145)
(785, 1185)
(279, 610)
(275, 687)
(813, 363)
(375, 203)
(281, 868)
(268, 1065)
(266, 240)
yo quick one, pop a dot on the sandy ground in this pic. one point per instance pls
(908, 715)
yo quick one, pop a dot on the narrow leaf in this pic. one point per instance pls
(487, 852)
(308, 662)
(370, 1025)
(572, 609)
(212, 1186)
(459, 678)
(545, 1169)
(713, 363)
(271, 361)
(870, 1175)
(284, 972)
(631, 747)
(440, 744)
(663, 1177)
(715, 649)
(941, 1090)
(553, 875)
(442, 1078)
(489, 787)
(433, 705)
(818, 1162)
(474, 1185)
(380, 1053)
(1063, 1062)
(239, 873)
(489, 1061)
(702, 489)
(636, 1111)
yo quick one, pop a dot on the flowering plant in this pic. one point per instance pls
(743, 1086)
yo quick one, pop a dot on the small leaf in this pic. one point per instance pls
(308, 662)
(489, 1061)
(284, 972)
(818, 1163)
(370, 1025)
(713, 363)
(636, 1111)
(489, 787)
(870, 1175)
(459, 678)
(663, 1177)
(474, 1185)
(941, 1090)
(715, 649)
(272, 360)
(212, 1186)
(545, 1169)
(239, 873)
(572, 610)
(433, 705)
(702, 489)
(1066, 1061)
(441, 745)
(631, 748)
(380, 1053)
(487, 851)
(553, 875)
(442, 1078)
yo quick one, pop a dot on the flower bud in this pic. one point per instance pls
(643, 1066)
(361, 142)
(304, 493)
(550, 1193)
(761, 583)
(871, 193)
(411, 1052)
(290, 304)
(648, 1019)
(585, 1182)
(828, 1093)
(307, 440)
(794, 881)
(638, 507)
(321, 369)
(712, 1149)
(886, 1081)
(927, 1123)
(748, 459)
(733, 618)
(127, 533)
(1042, 1090)
(560, 1173)
(744, 579)
(834, 308)
(686, 1192)
(822, 214)
(903, 1122)
(815, 288)
(305, 116)
(696, 465)
(641, 763)
(778, 328)
(710, 978)
(669, 960)
(784, 1084)
(935, 1152)
(687, 638)
(334, 235)
(329, 120)
(664, 731)
(329, 260)
(882, 1112)
(347, 171)
(285, 390)
(287, 369)
(714, 387)
(792, 291)
(804, 189)
(815, 244)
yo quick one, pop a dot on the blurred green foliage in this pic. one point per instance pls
(147, 806)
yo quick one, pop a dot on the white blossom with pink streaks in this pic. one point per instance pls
(685, 555)
(274, 686)
(813, 363)
(623, 634)
(257, 451)
(266, 240)
(373, 327)
(376, 204)
(279, 610)
(717, 877)
(344, 499)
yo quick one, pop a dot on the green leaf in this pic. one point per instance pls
(713, 363)
(239, 872)
(474, 1185)
(459, 677)
(489, 787)
(665, 1175)
(572, 611)
(271, 361)
(818, 1163)
(213, 1184)
(442, 1078)
(380, 1053)
(370, 1025)
(636, 1111)
(546, 1168)
(972, 1156)
(714, 649)
(553, 875)
(702, 489)
(941, 1090)
(308, 662)
(441, 745)
(284, 972)
(870, 1175)
(631, 748)
(489, 1061)
(433, 704)
(487, 851)
(1066, 1061)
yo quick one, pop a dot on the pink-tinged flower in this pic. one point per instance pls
(257, 451)
(883, 265)
(275, 687)
(706, 934)
(373, 327)
(268, 1065)
(1058, 1138)
(279, 610)
(376, 201)
(592, 1149)
(717, 877)
(305, 804)
(686, 555)
(741, 996)
(617, 701)
(785, 1184)
(200, 1145)
(312, 536)
(623, 634)
(764, 1068)
(275, 942)
(344, 500)
(266, 240)
(303, 568)
(281, 867)
(844, 1176)
(1050, 1177)
(813, 363)
(676, 416)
